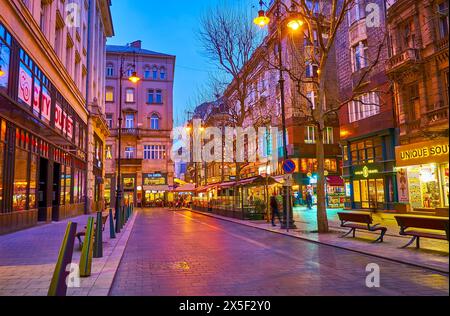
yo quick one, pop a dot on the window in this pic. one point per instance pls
(158, 96)
(310, 135)
(311, 70)
(21, 164)
(312, 97)
(130, 71)
(109, 70)
(129, 121)
(147, 73)
(367, 151)
(154, 152)
(328, 137)
(443, 19)
(129, 92)
(359, 56)
(108, 152)
(129, 152)
(150, 96)
(5, 41)
(155, 73)
(412, 110)
(109, 94)
(162, 73)
(154, 122)
(364, 106)
(354, 13)
(109, 120)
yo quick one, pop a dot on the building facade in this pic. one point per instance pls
(44, 118)
(418, 68)
(147, 110)
(368, 126)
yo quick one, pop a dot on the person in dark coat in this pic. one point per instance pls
(274, 208)
(309, 200)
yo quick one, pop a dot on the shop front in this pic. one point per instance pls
(43, 165)
(154, 189)
(423, 175)
(371, 187)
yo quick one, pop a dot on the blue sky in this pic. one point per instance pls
(170, 26)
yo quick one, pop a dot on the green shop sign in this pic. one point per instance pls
(367, 171)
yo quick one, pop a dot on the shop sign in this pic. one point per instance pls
(46, 103)
(366, 171)
(402, 185)
(155, 179)
(37, 94)
(422, 153)
(25, 84)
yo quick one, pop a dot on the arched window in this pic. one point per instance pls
(155, 72)
(162, 73)
(109, 70)
(130, 70)
(154, 121)
(147, 72)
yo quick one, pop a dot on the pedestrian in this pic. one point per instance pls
(274, 208)
(309, 200)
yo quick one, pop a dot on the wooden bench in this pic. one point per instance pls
(362, 221)
(418, 227)
(105, 217)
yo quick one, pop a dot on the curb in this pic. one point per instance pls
(108, 273)
(322, 243)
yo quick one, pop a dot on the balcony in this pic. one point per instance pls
(442, 44)
(358, 32)
(405, 59)
(133, 132)
(437, 115)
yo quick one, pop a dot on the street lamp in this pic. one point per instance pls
(134, 79)
(294, 22)
(2, 73)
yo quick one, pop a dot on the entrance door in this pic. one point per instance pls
(42, 190)
(56, 191)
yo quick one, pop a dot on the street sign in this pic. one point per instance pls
(289, 166)
(288, 180)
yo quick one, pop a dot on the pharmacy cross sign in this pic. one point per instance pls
(289, 166)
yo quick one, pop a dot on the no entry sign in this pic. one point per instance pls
(289, 166)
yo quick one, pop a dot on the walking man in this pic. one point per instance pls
(274, 208)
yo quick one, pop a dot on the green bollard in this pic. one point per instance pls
(86, 252)
(112, 230)
(58, 285)
(122, 217)
(98, 240)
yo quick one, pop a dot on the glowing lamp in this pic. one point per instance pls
(2, 73)
(262, 20)
(295, 24)
(134, 78)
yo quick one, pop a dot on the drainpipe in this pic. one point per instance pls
(88, 66)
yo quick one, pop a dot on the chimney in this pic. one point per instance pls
(136, 44)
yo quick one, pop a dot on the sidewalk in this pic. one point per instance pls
(434, 254)
(28, 259)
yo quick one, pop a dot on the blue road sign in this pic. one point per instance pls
(289, 166)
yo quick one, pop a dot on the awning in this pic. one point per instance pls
(188, 187)
(206, 188)
(160, 188)
(335, 181)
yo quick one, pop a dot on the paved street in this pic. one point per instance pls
(182, 253)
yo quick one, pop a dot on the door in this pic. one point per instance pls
(43, 190)
(128, 198)
(56, 188)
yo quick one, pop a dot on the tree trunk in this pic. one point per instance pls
(322, 219)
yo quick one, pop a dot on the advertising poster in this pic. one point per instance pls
(402, 184)
(25, 84)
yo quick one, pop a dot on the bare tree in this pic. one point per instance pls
(323, 21)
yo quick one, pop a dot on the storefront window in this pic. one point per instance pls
(445, 189)
(20, 180)
(356, 191)
(367, 151)
(62, 185)
(5, 55)
(33, 181)
(424, 190)
(68, 185)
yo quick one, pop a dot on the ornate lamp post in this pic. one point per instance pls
(134, 79)
(294, 23)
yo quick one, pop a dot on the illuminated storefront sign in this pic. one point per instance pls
(155, 179)
(422, 153)
(25, 84)
(366, 171)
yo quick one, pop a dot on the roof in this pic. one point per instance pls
(132, 50)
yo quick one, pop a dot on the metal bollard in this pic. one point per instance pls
(58, 285)
(98, 240)
(112, 230)
(118, 225)
(87, 251)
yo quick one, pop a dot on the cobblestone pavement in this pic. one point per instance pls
(186, 254)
